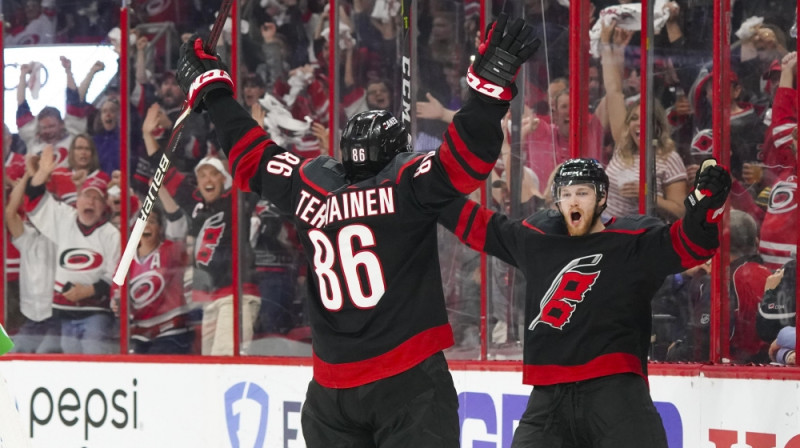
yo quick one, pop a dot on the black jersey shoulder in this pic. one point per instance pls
(325, 172)
(392, 171)
(634, 222)
(548, 221)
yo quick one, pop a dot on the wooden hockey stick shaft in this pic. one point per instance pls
(163, 164)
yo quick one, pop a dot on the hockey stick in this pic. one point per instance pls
(163, 164)
(405, 64)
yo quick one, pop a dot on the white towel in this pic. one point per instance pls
(628, 17)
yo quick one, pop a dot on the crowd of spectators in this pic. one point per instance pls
(285, 80)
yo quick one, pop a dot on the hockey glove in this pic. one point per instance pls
(500, 57)
(200, 73)
(712, 184)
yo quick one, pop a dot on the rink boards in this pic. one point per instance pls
(133, 404)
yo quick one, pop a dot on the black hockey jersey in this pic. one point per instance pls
(587, 306)
(211, 225)
(378, 307)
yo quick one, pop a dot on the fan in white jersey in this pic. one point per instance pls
(87, 252)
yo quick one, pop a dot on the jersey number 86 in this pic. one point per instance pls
(326, 254)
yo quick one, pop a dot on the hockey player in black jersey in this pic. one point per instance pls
(587, 302)
(368, 226)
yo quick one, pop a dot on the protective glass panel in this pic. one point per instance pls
(763, 162)
(536, 142)
(180, 286)
(61, 114)
(285, 85)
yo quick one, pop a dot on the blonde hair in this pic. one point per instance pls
(628, 148)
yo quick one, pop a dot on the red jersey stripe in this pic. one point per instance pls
(463, 182)
(603, 365)
(403, 357)
(469, 157)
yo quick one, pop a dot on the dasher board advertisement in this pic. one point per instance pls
(98, 405)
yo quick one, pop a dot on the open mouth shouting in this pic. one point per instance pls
(89, 215)
(210, 191)
(575, 218)
(578, 222)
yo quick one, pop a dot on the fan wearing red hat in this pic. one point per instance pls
(87, 252)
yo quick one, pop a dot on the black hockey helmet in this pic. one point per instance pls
(581, 171)
(370, 140)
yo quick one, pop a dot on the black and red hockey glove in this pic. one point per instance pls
(712, 183)
(499, 58)
(200, 73)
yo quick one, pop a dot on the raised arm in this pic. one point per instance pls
(15, 200)
(695, 237)
(177, 224)
(67, 64)
(207, 85)
(44, 211)
(87, 81)
(141, 59)
(22, 85)
(474, 137)
(612, 43)
(155, 119)
(46, 164)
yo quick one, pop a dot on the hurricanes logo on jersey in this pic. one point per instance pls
(80, 260)
(781, 198)
(209, 237)
(146, 288)
(567, 290)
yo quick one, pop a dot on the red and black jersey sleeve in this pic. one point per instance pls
(469, 149)
(486, 231)
(694, 239)
(250, 151)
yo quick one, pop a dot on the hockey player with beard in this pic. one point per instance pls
(587, 309)
(369, 226)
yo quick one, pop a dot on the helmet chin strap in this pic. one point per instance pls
(597, 215)
(599, 210)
